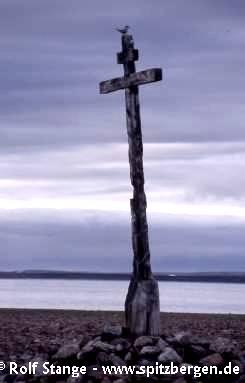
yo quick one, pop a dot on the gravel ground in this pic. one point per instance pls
(26, 333)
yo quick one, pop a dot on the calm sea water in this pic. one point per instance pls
(110, 295)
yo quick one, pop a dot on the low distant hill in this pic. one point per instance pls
(235, 277)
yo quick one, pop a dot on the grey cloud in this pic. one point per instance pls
(89, 244)
(200, 173)
(54, 55)
(55, 127)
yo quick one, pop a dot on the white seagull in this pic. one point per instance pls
(123, 30)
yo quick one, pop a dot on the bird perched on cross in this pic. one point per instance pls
(124, 30)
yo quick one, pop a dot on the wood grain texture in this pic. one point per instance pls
(130, 55)
(142, 311)
(138, 78)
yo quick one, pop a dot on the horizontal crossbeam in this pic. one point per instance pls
(138, 78)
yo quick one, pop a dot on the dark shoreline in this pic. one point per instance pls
(167, 277)
(118, 313)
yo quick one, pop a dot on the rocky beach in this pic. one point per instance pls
(84, 338)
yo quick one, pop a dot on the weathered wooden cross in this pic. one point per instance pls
(142, 310)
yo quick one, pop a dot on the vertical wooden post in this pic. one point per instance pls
(142, 310)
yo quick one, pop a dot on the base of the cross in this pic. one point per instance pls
(142, 308)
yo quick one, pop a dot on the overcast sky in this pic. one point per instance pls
(64, 175)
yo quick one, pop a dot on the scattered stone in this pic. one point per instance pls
(170, 339)
(91, 342)
(128, 357)
(150, 351)
(39, 368)
(111, 331)
(144, 341)
(182, 338)
(119, 350)
(115, 360)
(180, 380)
(106, 380)
(94, 372)
(162, 344)
(26, 357)
(194, 353)
(186, 368)
(91, 349)
(78, 379)
(102, 358)
(121, 345)
(102, 346)
(225, 346)
(212, 360)
(42, 379)
(86, 350)
(201, 341)
(144, 362)
(169, 355)
(67, 351)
